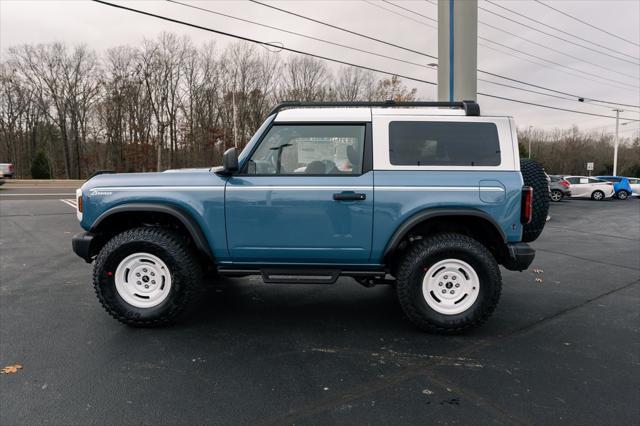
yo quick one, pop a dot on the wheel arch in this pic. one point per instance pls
(489, 229)
(128, 215)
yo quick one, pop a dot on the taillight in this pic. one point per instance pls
(564, 183)
(526, 211)
(10, 168)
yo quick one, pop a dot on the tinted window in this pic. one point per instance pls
(573, 180)
(294, 149)
(592, 180)
(418, 143)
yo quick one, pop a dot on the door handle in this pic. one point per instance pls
(349, 196)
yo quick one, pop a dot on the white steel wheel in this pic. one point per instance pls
(450, 287)
(143, 280)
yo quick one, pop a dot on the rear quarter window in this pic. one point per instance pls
(419, 143)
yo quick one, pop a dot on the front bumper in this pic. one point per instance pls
(520, 256)
(81, 243)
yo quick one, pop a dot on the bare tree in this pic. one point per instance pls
(305, 79)
(354, 84)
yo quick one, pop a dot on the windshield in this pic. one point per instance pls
(247, 149)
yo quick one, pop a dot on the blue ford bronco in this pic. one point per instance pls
(429, 197)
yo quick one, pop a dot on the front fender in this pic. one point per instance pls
(190, 224)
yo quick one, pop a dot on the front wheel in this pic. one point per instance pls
(448, 283)
(556, 195)
(597, 195)
(147, 276)
(622, 195)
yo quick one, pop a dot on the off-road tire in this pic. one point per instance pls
(425, 253)
(174, 250)
(534, 176)
(597, 195)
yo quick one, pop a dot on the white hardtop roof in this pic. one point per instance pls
(363, 114)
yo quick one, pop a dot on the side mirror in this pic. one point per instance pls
(230, 161)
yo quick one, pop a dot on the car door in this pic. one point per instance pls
(304, 195)
(579, 186)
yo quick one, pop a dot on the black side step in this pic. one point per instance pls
(300, 276)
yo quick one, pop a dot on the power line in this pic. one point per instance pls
(581, 75)
(422, 53)
(298, 34)
(399, 14)
(239, 37)
(558, 64)
(575, 99)
(556, 36)
(409, 10)
(532, 42)
(343, 29)
(557, 51)
(587, 23)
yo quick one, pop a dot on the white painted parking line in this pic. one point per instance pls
(35, 195)
(71, 203)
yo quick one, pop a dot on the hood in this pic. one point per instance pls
(184, 177)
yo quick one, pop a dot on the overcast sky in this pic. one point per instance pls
(102, 27)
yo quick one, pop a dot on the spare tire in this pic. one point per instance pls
(534, 176)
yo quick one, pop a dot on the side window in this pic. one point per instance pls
(420, 143)
(309, 149)
(584, 180)
(573, 180)
(592, 180)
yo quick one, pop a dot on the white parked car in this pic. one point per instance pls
(585, 186)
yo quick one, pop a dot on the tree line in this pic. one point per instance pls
(66, 112)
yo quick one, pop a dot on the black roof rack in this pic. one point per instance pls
(470, 107)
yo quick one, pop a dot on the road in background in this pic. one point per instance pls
(39, 190)
(562, 346)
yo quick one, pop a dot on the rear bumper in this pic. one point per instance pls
(520, 256)
(81, 243)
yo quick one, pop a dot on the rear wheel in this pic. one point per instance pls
(622, 194)
(597, 195)
(448, 283)
(147, 276)
(556, 195)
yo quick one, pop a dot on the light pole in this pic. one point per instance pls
(530, 136)
(615, 143)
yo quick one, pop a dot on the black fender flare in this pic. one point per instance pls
(185, 218)
(431, 213)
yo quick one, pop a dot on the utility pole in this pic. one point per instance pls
(615, 143)
(457, 50)
(233, 105)
(530, 137)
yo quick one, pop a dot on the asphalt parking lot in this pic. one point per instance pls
(563, 345)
